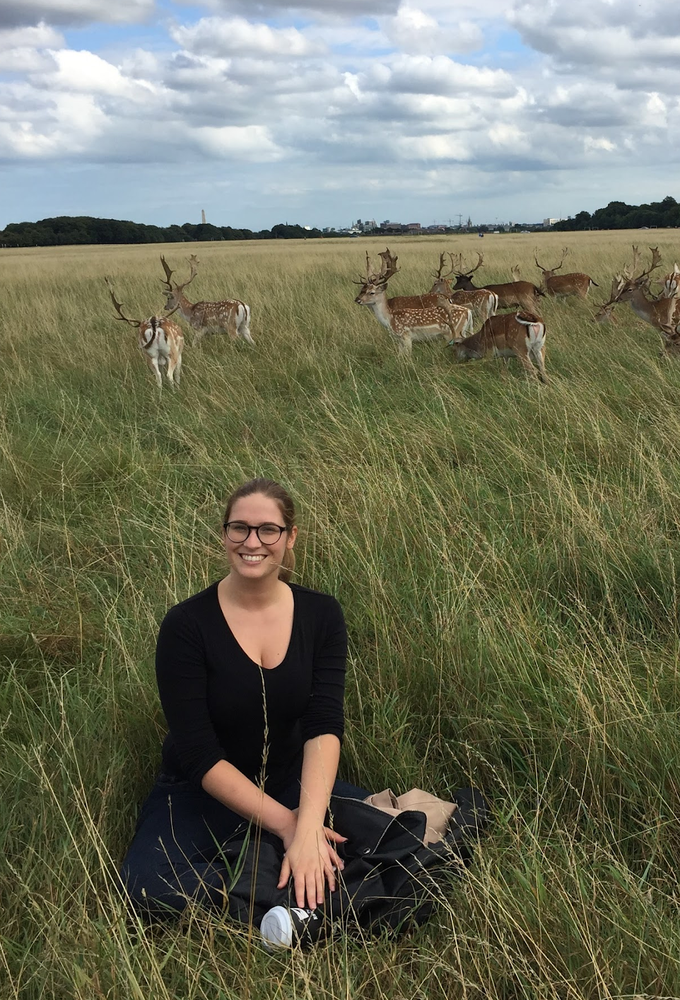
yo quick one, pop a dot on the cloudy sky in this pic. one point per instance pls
(260, 112)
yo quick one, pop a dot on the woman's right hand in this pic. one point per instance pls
(311, 860)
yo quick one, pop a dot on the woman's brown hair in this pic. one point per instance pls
(274, 491)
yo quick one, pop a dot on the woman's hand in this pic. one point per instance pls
(312, 861)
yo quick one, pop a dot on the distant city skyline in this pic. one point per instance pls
(259, 110)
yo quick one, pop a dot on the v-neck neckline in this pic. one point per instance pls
(238, 644)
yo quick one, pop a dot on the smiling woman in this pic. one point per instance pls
(251, 678)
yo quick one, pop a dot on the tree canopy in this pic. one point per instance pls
(617, 215)
(68, 230)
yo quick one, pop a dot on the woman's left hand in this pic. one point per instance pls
(312, 861)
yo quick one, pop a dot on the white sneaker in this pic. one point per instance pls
(282, 927)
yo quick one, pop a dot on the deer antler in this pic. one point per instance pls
(468, 272)
(565, 251)
(515, 272)
(629, 270)
(168, 273)
(619, 283)
(389, 266)
(119, 307)
(193, 263)
(439, 276)
(656, 262)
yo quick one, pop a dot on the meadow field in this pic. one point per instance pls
(506, 554)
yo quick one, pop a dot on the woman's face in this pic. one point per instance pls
(251, 558)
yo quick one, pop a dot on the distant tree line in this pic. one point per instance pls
(617, 215)
(68, 230)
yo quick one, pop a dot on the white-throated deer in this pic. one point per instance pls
(565, 284)
(662, 313)
(518, 335)
(482, 302)
(229, 316)
(511, 294)
(160, 340)
(410, 317)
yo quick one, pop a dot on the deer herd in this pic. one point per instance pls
(449, 309)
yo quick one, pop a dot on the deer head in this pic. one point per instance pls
(375, 283)
(548, 272)
(464, 274)
(174, 292)
(442, 286)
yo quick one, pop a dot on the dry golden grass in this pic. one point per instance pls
(506, 555)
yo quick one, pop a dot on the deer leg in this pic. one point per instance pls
(405, 344)
(529, 369)
(174, 366)
(153, 364)
(244, 329)
(539, 358)
(198, 337)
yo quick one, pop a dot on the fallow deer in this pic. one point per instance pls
(513, 294)
(576, 283)
(482, 302)
(228, 316)
(410, 317)
(662, 313)
(509, 335)
(160, 340)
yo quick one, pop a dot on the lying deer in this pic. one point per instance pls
(565, 284)
(510, 335)
(160, 340)
(662, 313)
(482, 302)
(512, 294)
(410, 317)
(229, 316)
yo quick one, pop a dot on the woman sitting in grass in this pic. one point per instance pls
(251, 679)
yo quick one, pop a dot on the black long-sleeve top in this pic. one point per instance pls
(221, 705)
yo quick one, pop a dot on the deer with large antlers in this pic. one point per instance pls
(229, 316)
(482, 302)
(511, 294)
(564, 284)
(160, 340)
(662, 313)
(410, 317)
(509, 335)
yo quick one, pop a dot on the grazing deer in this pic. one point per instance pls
(410, 317)
(160, 340)
(510, 335)
(229, 316)
(482, 302)
(662, 313)
(513, 294)
(564, 284)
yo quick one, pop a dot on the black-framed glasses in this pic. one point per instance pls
(239, 531)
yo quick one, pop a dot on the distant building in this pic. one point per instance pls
(412, 226)
(550, 222)
(392, 227)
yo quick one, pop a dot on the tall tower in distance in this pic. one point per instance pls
(203, 216)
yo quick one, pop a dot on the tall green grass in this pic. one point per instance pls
(506, 556)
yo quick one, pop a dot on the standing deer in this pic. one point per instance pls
(160, 340)
(512, 294)
(229, 316)
(565, 284)
(510, 335)
(662, 313)
(482, 302)
(410, 317)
